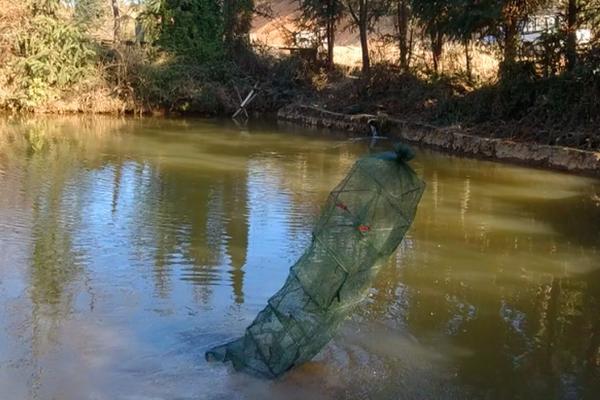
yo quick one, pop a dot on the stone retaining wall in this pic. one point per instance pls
(451, 140)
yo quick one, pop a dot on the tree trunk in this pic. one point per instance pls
(364, 41)
(330, 43)
(437, 46)
(364, 44)
(403, 18)
(117, 21)
(511, 37)
(571, 50)
(410, 44)
(468, 59)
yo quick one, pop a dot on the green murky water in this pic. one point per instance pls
(128, 248)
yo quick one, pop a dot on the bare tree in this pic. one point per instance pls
(324, 14)
(571, 45)
(365, 13)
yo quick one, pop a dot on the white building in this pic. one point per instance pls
(549, 22)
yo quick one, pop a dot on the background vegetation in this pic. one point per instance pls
(196, 56)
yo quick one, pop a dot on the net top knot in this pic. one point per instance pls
(404, 152)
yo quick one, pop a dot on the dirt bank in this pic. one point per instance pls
(450, 140)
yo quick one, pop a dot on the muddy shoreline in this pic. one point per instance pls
(450, 140)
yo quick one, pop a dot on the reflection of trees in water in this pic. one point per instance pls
(530, 329)
(592, 360)
(49, 178)
(33, 136)
(565, 333)
(235, 200)
(192, 222)
(54, 263)
(308, 178)
(571, 217)
(46, 162)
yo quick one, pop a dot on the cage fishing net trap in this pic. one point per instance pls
(363, 222)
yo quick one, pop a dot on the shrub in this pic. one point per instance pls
(192, 29)
(51, 55)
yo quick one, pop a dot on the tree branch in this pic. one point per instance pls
(353, 14)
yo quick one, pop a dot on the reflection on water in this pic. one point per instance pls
(127, 248)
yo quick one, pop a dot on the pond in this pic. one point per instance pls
(129, 247)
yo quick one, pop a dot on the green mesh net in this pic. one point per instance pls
(362, 224)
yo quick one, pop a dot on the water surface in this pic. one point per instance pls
(129, 247)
